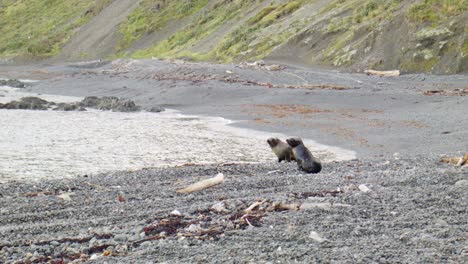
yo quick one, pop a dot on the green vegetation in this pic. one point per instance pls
(419, 65)
(436, 10)
(238, 41)
(338, 32)
(39, 28)
(152, 15)
(203, 25)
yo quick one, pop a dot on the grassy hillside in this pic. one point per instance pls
(411, 35)
(39, 28)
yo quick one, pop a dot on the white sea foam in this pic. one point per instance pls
(56, 144)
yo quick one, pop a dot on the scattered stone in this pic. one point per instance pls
(462, 184)
(65, 196)
(363, 188)
(156, 109)
(121, 238)
(94, 257)
(315, 236)
(440, 222)
(176, 213)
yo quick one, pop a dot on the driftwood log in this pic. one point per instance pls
(383, 73)
(201, 185)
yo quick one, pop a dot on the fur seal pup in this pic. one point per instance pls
(282, 150)
(305, 161)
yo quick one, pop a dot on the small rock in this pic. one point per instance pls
(121, 238)
(156, 109)
(462, 184)
(54, 243)
(363, 188)
(315, 236)
(175, 213)
(65, 196)
(94, 257)
(440, 222)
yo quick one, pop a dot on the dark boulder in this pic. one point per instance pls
(12, 83)
(29, 103)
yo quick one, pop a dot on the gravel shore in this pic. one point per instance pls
(414, 212)
(395, 203)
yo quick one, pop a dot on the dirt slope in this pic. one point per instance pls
(97, 38)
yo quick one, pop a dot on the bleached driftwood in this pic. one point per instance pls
(458, 161)
(383, 73)
(463, 161)
(253, 206)
(201, 185)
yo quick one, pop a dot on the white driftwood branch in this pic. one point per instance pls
(383, 73)
(201, 185)
(253, 206)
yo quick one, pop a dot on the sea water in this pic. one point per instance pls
(56, 144)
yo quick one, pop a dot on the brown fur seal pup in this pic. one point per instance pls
(282, 150)
(305, 160)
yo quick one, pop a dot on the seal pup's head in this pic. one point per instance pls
(294, 142)
(273, 142)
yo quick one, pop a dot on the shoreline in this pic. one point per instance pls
(61, 141)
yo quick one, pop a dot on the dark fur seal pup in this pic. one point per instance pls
(282, 150)
(305, 160)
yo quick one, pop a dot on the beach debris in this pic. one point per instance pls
(453, 92)
(350, 188)
(121, 198)
(66, 196)
(274, 67)
(201, 185)
(363, 188)
(229, 72)
(315, 236)
(325, 206)
(457, 161)
(228, 78)
(220, 207)
(253, 206)
(323, 193)
(34, 194)
(284, 207)
(383, 73)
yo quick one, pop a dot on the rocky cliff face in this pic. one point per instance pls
(411, 35)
